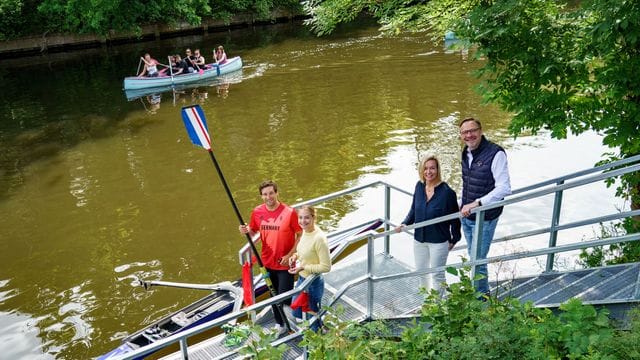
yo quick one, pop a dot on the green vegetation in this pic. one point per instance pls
(464, 327)
(39, 17)
(554, 67)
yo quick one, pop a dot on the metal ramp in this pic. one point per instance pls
(215, 348)
(377, 285)
(611, 283)
(614, 287)
(395, 298)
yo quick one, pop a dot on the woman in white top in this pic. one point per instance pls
(311, 257)
(150, 68)
(199, 59)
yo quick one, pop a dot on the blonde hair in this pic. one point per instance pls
(311, 209)
(422, 165)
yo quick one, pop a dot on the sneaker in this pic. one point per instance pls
(279, 330)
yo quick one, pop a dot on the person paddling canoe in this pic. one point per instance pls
(150, 68)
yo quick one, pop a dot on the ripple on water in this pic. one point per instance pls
(148, 271)
(255, 70)
(8, 293)
(74, 313)
(19, 337)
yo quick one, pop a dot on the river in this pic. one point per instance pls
(96, 190)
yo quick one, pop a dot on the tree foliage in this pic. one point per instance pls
(100, 17)
(565, 69)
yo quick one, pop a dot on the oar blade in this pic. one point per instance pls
(196, 125)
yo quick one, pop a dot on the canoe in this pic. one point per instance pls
(229, 78)
(218, 303)
(211, 71)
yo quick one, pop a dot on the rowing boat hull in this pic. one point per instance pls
(231, 78)
(137, 82)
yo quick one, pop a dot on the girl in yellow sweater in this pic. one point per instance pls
(311, 257)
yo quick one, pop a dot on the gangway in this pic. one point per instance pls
(371, 283)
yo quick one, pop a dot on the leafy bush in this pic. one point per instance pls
(462, 326)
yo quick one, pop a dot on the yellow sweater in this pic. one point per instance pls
(313, 253)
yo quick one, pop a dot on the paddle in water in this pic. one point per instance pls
(196, 124)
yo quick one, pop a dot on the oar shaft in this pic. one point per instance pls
(233, 203)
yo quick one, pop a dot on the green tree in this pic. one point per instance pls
(101, 17)
(554, 67)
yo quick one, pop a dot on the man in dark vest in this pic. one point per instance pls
(485, 180)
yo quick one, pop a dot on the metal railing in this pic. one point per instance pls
(554, 186)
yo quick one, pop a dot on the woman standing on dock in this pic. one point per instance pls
(432, 198)
(311, 257)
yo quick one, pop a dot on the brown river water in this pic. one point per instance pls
(96, 190)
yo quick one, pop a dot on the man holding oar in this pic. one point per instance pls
(196, 125)
(279, 230)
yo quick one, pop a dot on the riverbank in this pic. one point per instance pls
(55, 43)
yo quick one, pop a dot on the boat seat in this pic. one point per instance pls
(181, 319)
(155, 333)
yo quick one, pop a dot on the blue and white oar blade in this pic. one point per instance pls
(196, 125)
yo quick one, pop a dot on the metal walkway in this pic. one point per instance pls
(401, 297)
(615, 287)
(373, 282)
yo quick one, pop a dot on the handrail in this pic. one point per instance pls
(521, 198)
(509, 200)
(578, 174)
(519, 255)
(532, 191)
(514, 256)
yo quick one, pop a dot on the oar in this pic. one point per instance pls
(200, 71)
(196, 124)
(139, 63)
(217, 64)
(170, 69)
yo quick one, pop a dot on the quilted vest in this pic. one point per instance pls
(477, 180)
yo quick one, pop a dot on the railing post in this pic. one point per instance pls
(183, 348)
(555, 220)
(370, 259)
(387, 217)
(475, 244)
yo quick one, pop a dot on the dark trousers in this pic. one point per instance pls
(282, 282)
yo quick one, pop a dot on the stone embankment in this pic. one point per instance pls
(51, 43)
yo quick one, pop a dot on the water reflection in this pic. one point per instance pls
(19, 337)
(153, 102)
(184, 94)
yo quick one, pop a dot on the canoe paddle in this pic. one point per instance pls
(196, 125)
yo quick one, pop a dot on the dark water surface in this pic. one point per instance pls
(96, 190)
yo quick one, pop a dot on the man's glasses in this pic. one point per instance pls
(470, 131)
